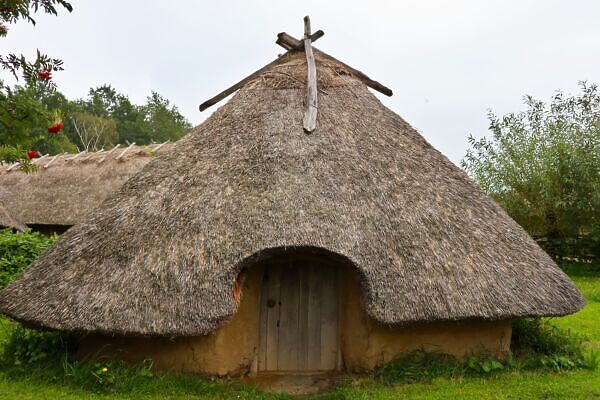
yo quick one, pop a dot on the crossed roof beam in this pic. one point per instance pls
(291, 44)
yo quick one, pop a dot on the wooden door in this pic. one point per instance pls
(299, 321)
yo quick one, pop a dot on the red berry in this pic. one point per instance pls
(32, 154)
(55, 128)
(45, 74)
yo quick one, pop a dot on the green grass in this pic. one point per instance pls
(587, 321)
(51, 378)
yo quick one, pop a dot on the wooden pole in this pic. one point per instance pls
(51, 161)
(76, 155)
(310, 115)
(237, 86)
(289, 42)
(124, 151)
(15, 165)
(36, 160)
(300, 46)
(108, 153)
(158, 147)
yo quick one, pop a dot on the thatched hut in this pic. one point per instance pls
(66, 187)
(252, 245)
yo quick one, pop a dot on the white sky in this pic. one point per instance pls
(448, 62)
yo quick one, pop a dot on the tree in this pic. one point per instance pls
(156, 121)
(543, 166)
(105, 101)
(94, 132)
(24, 126)
(22, 115)
(164, 120)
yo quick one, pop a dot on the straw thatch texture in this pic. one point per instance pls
(8, 221)
(68, 189)
(161, 255)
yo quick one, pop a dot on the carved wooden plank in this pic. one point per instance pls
(301, 333)
(314, 318)
(262, 324)
(289, 42)
(288, 351)
(329, 318)
(303, 347)
(310, 115)
(273, 311)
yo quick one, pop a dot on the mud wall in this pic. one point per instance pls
(229, 351)
(364, 343)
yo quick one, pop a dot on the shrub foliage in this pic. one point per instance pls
(18, 251)
(542, 166)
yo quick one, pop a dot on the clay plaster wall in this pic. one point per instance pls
(364, 343)
(229, 351)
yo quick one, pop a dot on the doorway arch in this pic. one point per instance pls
(299, 325)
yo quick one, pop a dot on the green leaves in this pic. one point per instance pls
(156, 121)
(543, 166)
(546, 346)
(14, 10)
(26, 348)
(18, 251)
(19, 66)
(484, 365)
(24, 121)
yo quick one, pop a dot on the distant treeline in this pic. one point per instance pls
(101, 120)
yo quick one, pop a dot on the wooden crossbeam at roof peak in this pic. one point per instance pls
(291, 44)
(286, 40)
(299, 47)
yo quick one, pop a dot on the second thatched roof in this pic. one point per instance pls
(66, 187)
(162, 254)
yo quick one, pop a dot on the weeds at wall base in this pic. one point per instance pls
(536, 345)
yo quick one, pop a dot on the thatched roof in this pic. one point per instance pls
(162, 254)
(8, 221)
(67, 187)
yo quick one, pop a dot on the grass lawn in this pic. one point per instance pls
(49, 381)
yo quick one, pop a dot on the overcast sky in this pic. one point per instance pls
(447, 62)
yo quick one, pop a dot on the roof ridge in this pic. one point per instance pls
(292, 45)
(79, 157)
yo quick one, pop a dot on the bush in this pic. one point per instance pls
(25, 347)
(542, 167)
(45, 357)
(18, 250)
(543, 345)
